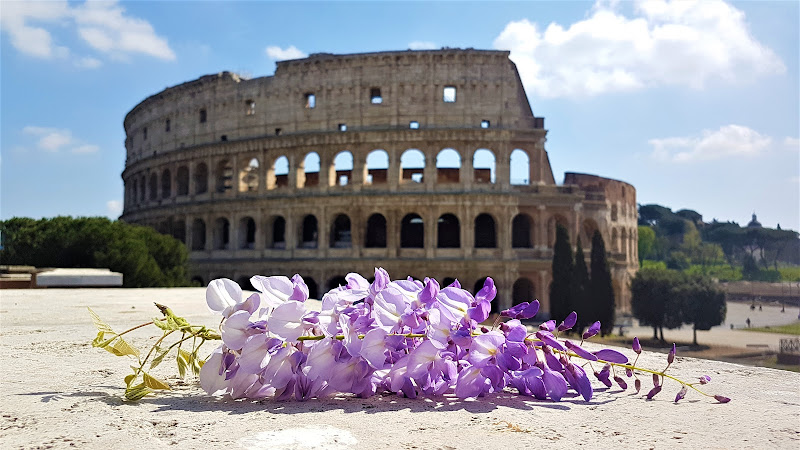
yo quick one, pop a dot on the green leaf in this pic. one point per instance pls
(129, 379)
(120, 347)
(137, 392)
(197, 364)
(154, 383)
(182, 364)
(160, 354)
(163, 324)
(102, 326)
(100, 340)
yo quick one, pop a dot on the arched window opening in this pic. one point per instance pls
(244, 283)
(521, 232)
(343, 169)
(340, 232)
(623, 243)
(279, 173)
(222, 234)
(248, 177)
(224, 176)
(485, 234)
(523, 291)
(166, 184)
(279, 233)
(311, 170)
(551, 228)
(448, 165)
(198, 234)
(142, 189)
(198, 281)
(412, 163)
(247, 233)
(377, 167)
(447, 281)
(495, 305)
(588, 229)
(520, 167)
(153, 187)
(337, 281)
(313, 290)
(183, 180)
(135, 192)
(484, 166)
(376, 231)
(448, 232)
(412, 232)
(614, 241)
(201, 179)
(308, 234)
(179, 230)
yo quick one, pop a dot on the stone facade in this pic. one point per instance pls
(341, 163)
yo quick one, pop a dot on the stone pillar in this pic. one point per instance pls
(429, 177)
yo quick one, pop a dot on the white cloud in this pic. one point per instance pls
(690, 43)
(114, 208)
(280, 54)
(54, 139)
(88, 63)
(422, 45)
(728, 141)
(104, 26)
(792, 142)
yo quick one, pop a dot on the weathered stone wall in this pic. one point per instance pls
(235, 188)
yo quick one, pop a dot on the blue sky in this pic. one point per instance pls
(696, 104)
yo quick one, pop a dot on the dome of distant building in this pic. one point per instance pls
(426, 163)
(754, 223)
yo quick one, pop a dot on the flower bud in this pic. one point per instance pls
(628, 373)
(484, 330)
(705, 379)
(671, 356)
(722, 399)
(637, 385)
(637, 347)
(621, 382)
(681, 393)
(653, 392)
(655, 379)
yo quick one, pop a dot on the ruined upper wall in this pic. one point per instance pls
(411, 86)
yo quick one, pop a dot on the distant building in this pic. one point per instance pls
(754, 223)
(250, 175)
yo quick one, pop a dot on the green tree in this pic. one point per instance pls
(647, 243)
(654, 302)
(703, 304)
(602, 291)
(580, 290)
(560, 287)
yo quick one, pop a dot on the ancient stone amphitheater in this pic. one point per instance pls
(427, 163)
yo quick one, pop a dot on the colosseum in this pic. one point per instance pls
(426, 163)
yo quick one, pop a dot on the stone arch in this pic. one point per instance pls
(614, 241)
(313, 289)
(182, 179)
(341, 171)
(223, 176)
(448, 166)
(278, 237)
(623, 241)
(412, 164)
(519, 171)
(178, 228)
(523, 291)
(311, 167)
(484, 166)
(448, 231)
(247, 233)
(248, 176)
(222, 234)
(198, 234)
(522, 231)
(412, 231)
(201, 179)
(153, 187)
(552, 222)
(308, 232)
(377, 165)
(166, 183)
(278, 173)
(341, 236)
(485, 231)
(587, 232)
(335, 282)
(376, 231)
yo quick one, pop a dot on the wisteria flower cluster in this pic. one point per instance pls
(410, 337)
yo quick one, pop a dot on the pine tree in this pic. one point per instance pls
(560, 290)
(580, 290)
(601, 294)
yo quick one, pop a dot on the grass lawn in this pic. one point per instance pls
(792, 328)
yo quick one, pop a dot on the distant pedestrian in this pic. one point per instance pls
(759, 307)
(747, 322)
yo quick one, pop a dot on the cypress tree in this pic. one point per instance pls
(580, 290)
(560, 290)
(602, 293)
